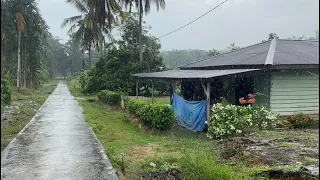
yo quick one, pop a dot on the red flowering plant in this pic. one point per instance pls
(300, 121)
(249, 100)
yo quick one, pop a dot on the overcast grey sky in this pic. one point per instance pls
(243, 22)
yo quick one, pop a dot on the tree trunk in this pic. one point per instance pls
(140, 31)
(130, 8)
(19, 63)
(101, 48)
(25, 65)
(89, 55)
(82, 61)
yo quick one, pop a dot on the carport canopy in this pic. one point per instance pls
(191, 74)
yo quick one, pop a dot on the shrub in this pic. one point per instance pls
(110, 98)
(132, 105)
(300, 120)
(158, 116)
(6, 90)
(227, 120)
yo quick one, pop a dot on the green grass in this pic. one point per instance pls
(308, 161)
(286, 144)
(133, 149)
(156, 100)
(22, 116)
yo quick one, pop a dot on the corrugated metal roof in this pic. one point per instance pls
(288, 52)
(296, 52)
(191, 74)
(255, 54)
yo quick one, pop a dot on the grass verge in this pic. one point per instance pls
(132, 150)
(25, 104)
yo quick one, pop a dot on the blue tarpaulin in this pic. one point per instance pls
(189, 114)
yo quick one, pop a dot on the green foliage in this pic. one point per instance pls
(202, 166)
(6, 90)
(224, 101)
(133, 105)
(300, 120)
(110, 98)
(175, 58)
(113, 71)
(158, 116)
(74, 86)
(228, 120)
(34, 42)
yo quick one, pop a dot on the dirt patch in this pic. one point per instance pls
(288, 175)
(141, 152)
(167, 175)
(258, 150)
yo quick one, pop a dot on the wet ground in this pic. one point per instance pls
(56, 144)
(277, 148)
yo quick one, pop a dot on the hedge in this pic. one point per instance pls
(158, 116)
(132, 105)
(110, 98)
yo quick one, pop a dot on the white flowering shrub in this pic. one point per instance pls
(231, 120)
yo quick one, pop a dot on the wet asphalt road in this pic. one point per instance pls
(56, 144)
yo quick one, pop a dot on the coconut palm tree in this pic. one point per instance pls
(95, 23)
(143, 6)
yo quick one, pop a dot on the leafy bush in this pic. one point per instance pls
(132, 105)
(158, 116)
(110, 98)
(227, 120)
(300, 120)
(6, 90)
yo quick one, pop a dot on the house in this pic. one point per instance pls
(283, 74)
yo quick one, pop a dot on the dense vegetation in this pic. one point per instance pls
(113, 70)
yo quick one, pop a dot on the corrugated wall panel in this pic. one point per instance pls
(294, 91)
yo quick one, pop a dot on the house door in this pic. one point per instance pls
(243, 86)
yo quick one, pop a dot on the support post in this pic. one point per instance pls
(137, 88)
(208, 100)
(171, 91)
(152, 92)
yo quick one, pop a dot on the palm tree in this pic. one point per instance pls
(142, 7)
(95, 23)
(20, 24)
(84, 23)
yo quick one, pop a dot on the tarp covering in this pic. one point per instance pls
(189, 114)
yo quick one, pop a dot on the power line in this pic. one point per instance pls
(193, 20)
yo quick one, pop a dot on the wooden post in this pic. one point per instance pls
(137, 89)
(171, 91)
(152, 92)
(208, 99)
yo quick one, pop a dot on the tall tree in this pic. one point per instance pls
(86, 32)
(94, 24)
(143, 6)
(20, 25)
(31, 42)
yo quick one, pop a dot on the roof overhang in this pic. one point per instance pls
(191, 74)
